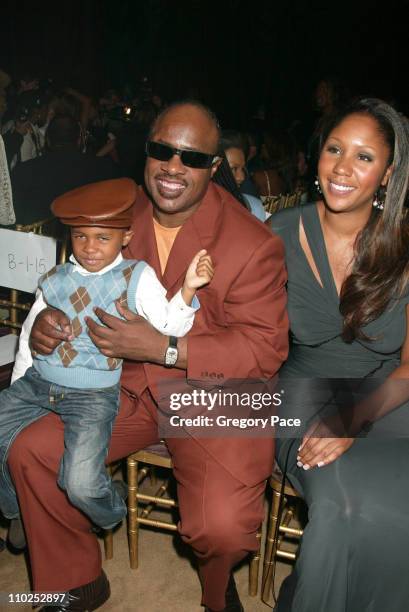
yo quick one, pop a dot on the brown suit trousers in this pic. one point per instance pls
(219, 514)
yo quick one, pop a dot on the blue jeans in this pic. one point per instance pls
(88, 416)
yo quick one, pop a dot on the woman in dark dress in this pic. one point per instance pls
(348, 291)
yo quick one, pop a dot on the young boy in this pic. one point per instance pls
(77, 381)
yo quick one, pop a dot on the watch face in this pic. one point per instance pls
(171, 356)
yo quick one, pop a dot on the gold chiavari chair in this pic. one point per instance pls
(154, 456)
(284, 498)
(273, 204)
(140, 506)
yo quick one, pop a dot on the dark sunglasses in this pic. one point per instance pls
(191, 159)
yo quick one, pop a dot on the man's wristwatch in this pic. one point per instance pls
(171, 354)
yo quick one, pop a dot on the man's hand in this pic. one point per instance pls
(50, 328)
(317, 449)
(134, 338)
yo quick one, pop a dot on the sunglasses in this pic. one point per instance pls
(191, 159)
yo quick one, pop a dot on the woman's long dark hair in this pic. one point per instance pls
(380, 272)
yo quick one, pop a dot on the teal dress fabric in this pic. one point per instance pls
(354, 553)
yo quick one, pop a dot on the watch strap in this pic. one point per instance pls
(173, 342)
(171, 354)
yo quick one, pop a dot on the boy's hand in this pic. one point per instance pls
(50, 328)
(200, 271)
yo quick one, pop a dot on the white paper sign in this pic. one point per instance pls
(24, 258)
(8, 349)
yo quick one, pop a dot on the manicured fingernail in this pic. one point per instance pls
(321, 463)
(306, 466)
(299, 448)
(299, 464)
(298, 457)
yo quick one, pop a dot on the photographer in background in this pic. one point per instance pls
(24, 135)
(126, 128)
(132, 138)
(62, 167)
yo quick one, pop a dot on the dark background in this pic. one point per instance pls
(234, 55)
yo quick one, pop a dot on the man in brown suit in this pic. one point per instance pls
(240, 332)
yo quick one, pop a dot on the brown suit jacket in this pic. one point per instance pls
(241, 329)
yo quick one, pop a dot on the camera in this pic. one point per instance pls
(122, 112)
(22, 114)
(28, 102)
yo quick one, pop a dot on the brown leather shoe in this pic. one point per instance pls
(85, 598)
(233, 603)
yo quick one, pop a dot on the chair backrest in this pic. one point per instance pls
(273, 204)
(17, 305)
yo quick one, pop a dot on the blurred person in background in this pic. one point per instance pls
(7, 216)
(63, 167)
(279, 156)
(4, 83)
(330, 95)
(24, 135)
(27, 82)
(132, 138)
(69, 101)
(254, 141)
(232, 172)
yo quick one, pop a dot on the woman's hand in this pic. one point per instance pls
(50, 328)
(318, 448)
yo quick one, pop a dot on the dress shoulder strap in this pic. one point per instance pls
(316, 242)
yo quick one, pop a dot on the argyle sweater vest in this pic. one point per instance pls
(78, 363)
